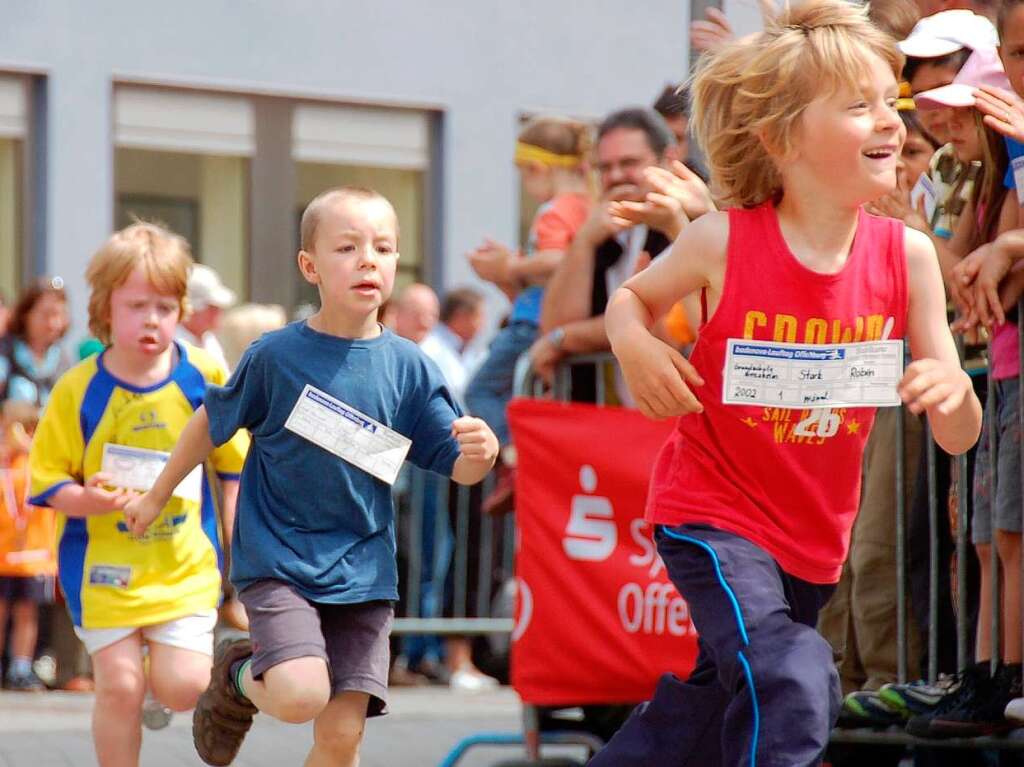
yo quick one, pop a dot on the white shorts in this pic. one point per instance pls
(191, 632)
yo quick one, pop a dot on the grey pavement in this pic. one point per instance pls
(51, 729)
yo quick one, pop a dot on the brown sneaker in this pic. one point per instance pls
(222, 716)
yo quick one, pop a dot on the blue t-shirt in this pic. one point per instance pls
(1014, 149)
(527, 305)
(305, 516)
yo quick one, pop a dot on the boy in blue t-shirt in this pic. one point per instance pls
(332, 404)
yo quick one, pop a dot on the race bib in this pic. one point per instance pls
(799, 376)
(349, 434)
(924, 190)
(1017, 163)
(136, 468)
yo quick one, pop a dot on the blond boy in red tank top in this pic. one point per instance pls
(753, 503)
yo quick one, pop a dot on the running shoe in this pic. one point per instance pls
(920, 697)
(155, 715)
(1015, 711)
(24, 682)
(222, 716)
(865, 708)
(963, 686)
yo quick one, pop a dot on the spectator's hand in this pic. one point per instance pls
(684, 185)
(477, 442)
(659, 211)
(141, 512)
(657, 376)
(544, 357)
(712, 33)
(600, 224)
(929, 383)
(1002, 109)
(896, 204)
(961, 287)
(994, 267)
(679, 195)
(492, 261)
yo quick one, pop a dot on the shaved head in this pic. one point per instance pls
(319, 205)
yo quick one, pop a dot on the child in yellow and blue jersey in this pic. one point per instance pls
(111, 420)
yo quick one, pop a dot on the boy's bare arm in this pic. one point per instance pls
(935, 383)
(193, 447)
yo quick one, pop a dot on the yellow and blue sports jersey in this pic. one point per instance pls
(111, 579)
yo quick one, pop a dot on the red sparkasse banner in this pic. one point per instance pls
(597, 620)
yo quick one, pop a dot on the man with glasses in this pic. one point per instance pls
(609, 249)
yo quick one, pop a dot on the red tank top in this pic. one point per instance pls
(787, 480)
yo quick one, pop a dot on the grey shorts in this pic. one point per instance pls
(1007, 493)
(353, 639)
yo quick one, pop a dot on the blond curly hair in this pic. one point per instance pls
(748, 97)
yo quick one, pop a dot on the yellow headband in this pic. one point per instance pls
(531, 153)
(905, 103)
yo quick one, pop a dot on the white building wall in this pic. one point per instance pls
(481, 62)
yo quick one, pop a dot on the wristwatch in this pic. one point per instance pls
(556, 337)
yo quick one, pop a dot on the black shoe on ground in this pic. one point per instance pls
(963, 686)
(981, 712)
(985, 713)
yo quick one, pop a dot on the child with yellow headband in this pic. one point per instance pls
(551, 155)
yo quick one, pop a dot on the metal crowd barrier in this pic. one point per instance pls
(533, 736)
(426, 500)
(965, 640)
(449, 610)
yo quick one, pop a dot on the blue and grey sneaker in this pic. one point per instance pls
(23, 682)
(920, 697)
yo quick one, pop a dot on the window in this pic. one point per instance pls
(182, 160)
(13, 126)
(218, 169)
(384, 149)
